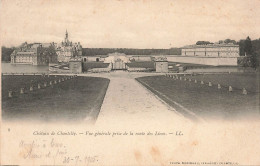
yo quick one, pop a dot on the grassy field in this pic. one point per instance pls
(16, 82)
(208, 102)
(71, 100)
(249, 81)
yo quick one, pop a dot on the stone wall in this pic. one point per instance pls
(98, 70)
(87, 66)
(75, 66)
(161, 66)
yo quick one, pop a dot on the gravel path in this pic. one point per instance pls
(127, 102)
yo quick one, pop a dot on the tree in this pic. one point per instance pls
(248, 46)
(227, 41)
(6, 52)
(254, 60)
(230, 41)
(220, 41)
(252, 51)
(50, 54)
(241, 44)
(203, 42)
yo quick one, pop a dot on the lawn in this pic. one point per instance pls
(249, 81)
(71, 100)
(204, 101)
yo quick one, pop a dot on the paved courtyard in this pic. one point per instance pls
(127, 102)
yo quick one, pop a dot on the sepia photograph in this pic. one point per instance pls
(111, 82)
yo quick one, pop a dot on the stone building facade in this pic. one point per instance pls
(67, 50)
(35, 54)
(211, 50)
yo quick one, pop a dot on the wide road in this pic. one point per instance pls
(127, 102)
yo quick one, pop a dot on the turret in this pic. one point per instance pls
(66, 35)
(66, 41)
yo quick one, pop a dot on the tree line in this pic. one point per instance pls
(249, 49)
(130, 51)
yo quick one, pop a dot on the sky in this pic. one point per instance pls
(129, 23)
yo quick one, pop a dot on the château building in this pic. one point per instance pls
(67, 50)
(35, 54)
(211, 50)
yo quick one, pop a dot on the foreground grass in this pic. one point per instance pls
(202, 100)
(71, 100)
(249, 81)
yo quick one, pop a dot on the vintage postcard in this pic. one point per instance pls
(111, 82)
